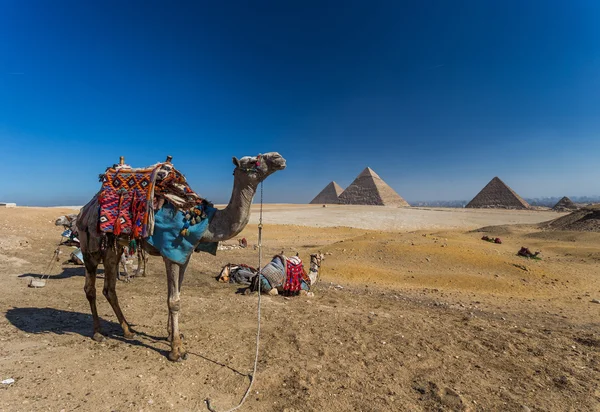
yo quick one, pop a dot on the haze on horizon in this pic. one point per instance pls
(436, 97)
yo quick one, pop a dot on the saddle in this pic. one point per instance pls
(129, 197)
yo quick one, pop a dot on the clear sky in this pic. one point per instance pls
(437, 97)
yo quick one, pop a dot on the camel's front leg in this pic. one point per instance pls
(174, 282)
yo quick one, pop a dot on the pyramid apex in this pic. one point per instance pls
(369, 172)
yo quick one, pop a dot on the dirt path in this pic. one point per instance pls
(429, 320)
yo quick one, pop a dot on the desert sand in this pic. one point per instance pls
(413, 311)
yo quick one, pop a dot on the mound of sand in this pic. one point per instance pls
(584, 220)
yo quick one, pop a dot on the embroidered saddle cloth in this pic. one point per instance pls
(157, 204)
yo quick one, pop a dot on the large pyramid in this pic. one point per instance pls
(565, 204)
(329, 194)
(496, 194)
(369, 189)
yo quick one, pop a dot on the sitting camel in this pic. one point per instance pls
(286, 275)
(224, 224)
(273, 276)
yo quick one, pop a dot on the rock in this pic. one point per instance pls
(595, 300)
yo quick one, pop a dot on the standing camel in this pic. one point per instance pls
(224, 224)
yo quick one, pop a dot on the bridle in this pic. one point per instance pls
(253, 169)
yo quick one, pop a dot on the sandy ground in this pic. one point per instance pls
(394, 218)
(413, 312)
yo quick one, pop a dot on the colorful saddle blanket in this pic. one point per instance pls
(284, 274)
(128, 197)
(157, 204)
(294, 274)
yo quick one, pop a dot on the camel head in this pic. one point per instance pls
(66, 220)
(316, 259)
(257, 168)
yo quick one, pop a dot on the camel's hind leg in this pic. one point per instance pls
(111, 269)
(91, 261)
(142, 260)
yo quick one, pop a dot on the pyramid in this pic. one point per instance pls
(565, 204)
(496, 194)
(369, 189)
(329, 194)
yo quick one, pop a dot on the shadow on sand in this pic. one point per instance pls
(60, 322)
(66, 273)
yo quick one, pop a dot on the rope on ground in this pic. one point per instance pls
(55, 258)
(253, 376)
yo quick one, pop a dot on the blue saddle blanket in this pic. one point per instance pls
(167, 237)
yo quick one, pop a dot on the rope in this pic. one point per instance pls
(252, 377)
(50, 267)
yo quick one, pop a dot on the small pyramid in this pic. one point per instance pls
(329, 195)
(370, 189)
(496, 194)
(565, 204)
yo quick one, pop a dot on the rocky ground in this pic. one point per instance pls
(423, 315)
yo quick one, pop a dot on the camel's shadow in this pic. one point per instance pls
(65, 274)
(60, 322)
(50, 320)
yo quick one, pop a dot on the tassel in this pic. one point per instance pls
(132, 247)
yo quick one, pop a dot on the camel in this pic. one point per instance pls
(242, 273)
(225, 224)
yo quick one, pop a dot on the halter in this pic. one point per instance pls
(253, 169)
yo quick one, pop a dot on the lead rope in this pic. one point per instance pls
(252, 377)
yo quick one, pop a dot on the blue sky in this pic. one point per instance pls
(437, 97)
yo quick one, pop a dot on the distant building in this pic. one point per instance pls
(8, 204)
(565, 205)
(329, 195)
(496, 194)
(370, 189)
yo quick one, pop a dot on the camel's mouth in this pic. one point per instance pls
(279, 164)
(276, 161)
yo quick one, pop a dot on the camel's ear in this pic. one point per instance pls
(236, 162)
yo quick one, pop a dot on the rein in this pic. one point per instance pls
(253, 376)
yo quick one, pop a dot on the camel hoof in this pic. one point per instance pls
(98, 337)
(177, 356)
(130, 335)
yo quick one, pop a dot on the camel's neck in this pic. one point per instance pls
(230, 221)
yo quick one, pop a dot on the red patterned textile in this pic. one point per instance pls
(128, 197)
(123, 200)
(294, 272)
